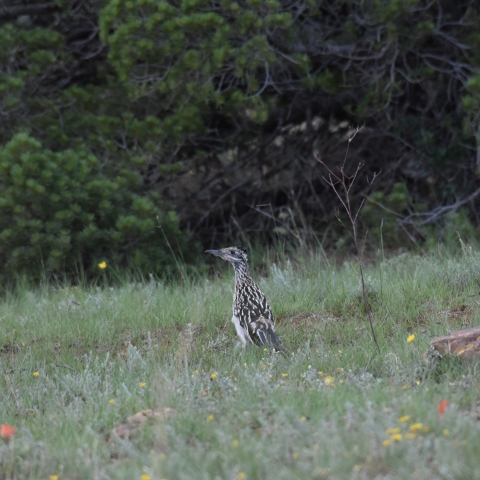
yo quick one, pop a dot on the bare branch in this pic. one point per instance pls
(437, 213)
(347, 182)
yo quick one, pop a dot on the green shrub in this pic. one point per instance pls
(60, 212)
(382, 212)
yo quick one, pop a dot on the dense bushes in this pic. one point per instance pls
(60, 213)
(246, 91)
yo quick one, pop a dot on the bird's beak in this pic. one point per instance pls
(218, 253)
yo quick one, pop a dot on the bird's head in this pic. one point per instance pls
(235, 255)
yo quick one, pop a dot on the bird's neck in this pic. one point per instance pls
(242, 275)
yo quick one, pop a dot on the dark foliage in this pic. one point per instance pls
(219, 106)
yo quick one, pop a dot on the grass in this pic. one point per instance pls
(103, 354)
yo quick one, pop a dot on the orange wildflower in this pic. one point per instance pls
(442, 406)
(6, 431)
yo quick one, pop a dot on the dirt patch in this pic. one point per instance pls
(9, 348)
(460, 316)
(132, 425)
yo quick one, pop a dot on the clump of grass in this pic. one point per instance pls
(325, 411)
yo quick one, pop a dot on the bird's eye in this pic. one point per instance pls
(232, 252)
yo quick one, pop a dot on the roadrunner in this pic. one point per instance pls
(252, 316)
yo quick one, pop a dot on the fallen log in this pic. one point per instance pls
(463, 343)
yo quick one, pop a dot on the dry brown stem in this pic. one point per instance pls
(342, 184)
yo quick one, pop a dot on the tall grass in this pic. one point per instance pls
(103, 354)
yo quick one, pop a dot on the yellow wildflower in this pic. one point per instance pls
(102, 265)
(386, 443)
(410, 435)
(411, 338)
(284, 375)
(446, 432)
(328, 380)
(209, 418)
(142, 384)
(393, 431)
(357, 468)
(112, 400)
(416, 426)
(145, 477)
(213, 376)
(53, 477)
(294, 455)
(397, 437)
(235, 443)
(303, 418)
(404, 419)
(36, 374)
(240, 475)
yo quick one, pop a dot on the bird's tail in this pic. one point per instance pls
(269, 338)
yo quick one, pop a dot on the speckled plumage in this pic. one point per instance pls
(252, 316)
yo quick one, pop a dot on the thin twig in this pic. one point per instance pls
(384, 207)
(342, 181)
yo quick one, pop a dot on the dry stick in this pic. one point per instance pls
(346, 182)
